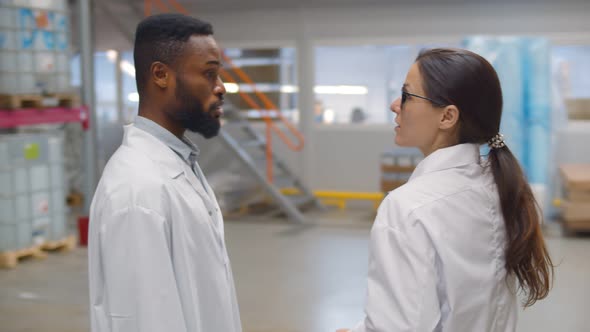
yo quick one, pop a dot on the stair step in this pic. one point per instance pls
(284, 181)
(300, 201)
(283, 177)
(253, 143)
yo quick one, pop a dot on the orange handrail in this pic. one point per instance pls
(269, 173)
(268, 104)
(161, 6)
(179, 8)
(147, 7)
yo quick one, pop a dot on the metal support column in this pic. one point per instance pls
(306, 101)
(87, 64)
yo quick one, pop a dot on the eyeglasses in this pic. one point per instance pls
(405, 95)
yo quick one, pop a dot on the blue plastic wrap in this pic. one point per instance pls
(504, 53)
(523, 66)
(537, 65)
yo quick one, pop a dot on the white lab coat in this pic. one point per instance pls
(436, 259)
(157, 256)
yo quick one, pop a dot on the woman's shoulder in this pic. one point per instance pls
(426, 192)
(398, 206)
(415, 193)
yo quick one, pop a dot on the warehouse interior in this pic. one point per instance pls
(306, 153)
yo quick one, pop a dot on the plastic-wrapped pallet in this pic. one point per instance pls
(34, 47)
(504, 53)
(537, 64)
(32, 195)
(523, 66)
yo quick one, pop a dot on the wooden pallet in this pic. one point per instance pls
(39, 101)
(9, 259)
(576, 227)
(63, 245)
(21, 101)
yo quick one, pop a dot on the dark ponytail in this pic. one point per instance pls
(526, 255)
(468, 81)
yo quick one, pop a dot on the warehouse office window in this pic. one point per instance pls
(109, 131)
(273, 71)
(571, 83)
(129, 88)
(571, 70)
(356, 84)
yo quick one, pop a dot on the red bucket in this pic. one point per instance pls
(83, 230)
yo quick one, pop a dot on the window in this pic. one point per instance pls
(273, 72)
(129, 88)
(571, 70)
(356, 84)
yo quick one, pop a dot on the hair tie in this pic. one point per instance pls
(497, 142)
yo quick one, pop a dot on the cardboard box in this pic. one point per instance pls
(578, 196)
(578, 109)
(389, 185)
(576, 177)
(576, 212)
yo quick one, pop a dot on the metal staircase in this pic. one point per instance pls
(251, 152)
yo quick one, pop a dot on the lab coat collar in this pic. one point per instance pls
(182, 146)
(197, 185)
(451, 157)
(170, 162)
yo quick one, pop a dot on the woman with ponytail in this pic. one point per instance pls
(453, 248)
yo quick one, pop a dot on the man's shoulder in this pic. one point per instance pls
(132, 166)
(132, 178)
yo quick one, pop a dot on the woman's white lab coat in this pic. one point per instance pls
(437, 252)
(157, 256)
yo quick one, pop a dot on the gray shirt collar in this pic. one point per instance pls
(186, 149)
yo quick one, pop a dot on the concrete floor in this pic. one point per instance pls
(289, 279)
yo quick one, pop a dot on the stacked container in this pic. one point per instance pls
(397, 166)
(32, 195)
(34, 47)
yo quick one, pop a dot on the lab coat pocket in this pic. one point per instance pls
(204, 235)
(123, 323)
